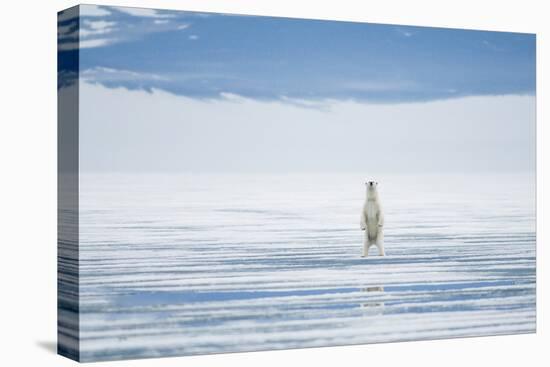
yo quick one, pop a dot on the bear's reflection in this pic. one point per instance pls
(375, 304)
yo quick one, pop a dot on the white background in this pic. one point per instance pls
(28, 181)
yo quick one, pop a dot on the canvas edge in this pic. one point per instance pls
(68, 306)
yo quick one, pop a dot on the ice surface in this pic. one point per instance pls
(210, 263)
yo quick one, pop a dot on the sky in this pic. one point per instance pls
(211, 92)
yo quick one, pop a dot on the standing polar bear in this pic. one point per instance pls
(372, 220)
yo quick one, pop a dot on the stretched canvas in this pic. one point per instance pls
(235, 183)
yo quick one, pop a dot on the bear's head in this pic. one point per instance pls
(372, 188)
(371, 184)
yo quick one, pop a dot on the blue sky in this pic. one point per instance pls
(202, 55)
(194, 92)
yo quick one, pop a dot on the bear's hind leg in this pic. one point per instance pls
(380, 244)
(366, 245)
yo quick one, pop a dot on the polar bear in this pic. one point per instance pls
(372, 220)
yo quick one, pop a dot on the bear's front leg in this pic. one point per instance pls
(363, 223)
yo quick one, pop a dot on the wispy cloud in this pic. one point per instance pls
(67, 25)
(66, 15)
(91, 11)
(231, 97)
(491, 46)
(98, 42)
(321, 105)
(404, 32)
(103, 74)
(96, 11)
(92, 33)
(193, 37)
(146, 13)
(101, 26)
(66, 30)
(96, 28)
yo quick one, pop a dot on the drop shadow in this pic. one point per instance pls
(48, 345)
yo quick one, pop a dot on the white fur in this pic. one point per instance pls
(372, 220)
